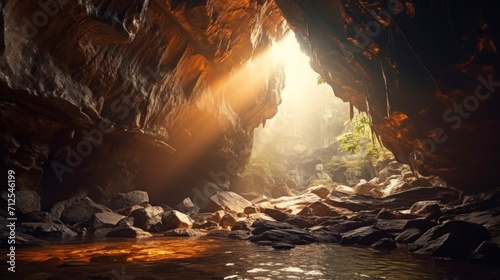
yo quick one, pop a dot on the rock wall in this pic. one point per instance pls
(101, 96)
(426, 71)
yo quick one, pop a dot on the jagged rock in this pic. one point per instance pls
(320, 208)
(453, 239)
(77, 209)
(281, 190)
(227, 201)
(390, 225)
(183, 232)
(402, 200)
(364, 236)
(126, 222)
(425, 207)
(260, 226)
(250, 210)
(239, 234)
(384, 243)
(127, 210)
(365, 187)
(241, 225)
(320, 191)
(345, 226)
(421, 224)
(216, 216)
(409, 235)
(292, 236)
(325, 236)
(205, 225)
(422, 182)
(148, 218)
(105, 219)
(122, 200)
(486, 252)
(295, 203)
(128, 232)
(43, 230)
(175, 219)
(227, 220)
(396, 186)
(344, 189)
(37, 217)
(392, 214)
(276, 214)
(27, 201)
(301, 221)
(187, 206)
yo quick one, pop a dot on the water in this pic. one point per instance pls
(209, 258)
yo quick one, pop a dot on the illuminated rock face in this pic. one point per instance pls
(427, 73)
(104, 96)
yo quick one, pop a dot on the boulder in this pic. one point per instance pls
(43, 230)
(291, 236)
(205, 225)
(453, 239)
(241, 225)
(218, 233)
(296, 203)
(393, 214)
(27, 201)
(422, 224)
(216, 216)
(344, 189)
(384, 243)
(37, 217)
(227, 220)
(320, 191)
(104, 220)
(365, 188)
(251, 209)
(260, 226)
(122, 200)
(148, 218)
(488, 252)
(301, 221)
(425, 207)
(175, 219)
(227, 201)
(320, 208)
(128, 232)
(183, 232)
(77, 209)
(390, 225)
(346, 226)
(396, 186)
(281, 190)
(276, 214)
(364, 236)
(239, 234)
(187, 206)
(409, 235)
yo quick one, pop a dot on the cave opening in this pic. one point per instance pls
(250, 139)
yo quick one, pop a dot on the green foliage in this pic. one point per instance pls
(360, 139)
(319, 80)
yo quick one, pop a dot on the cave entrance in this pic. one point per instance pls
(312, 139)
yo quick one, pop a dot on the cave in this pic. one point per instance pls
(141, 119)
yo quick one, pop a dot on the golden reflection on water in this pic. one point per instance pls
(144, 250)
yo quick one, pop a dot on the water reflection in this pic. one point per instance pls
(205, 258)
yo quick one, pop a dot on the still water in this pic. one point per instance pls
(209, 258)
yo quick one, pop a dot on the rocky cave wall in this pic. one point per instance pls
(101, 96)
(427, 72)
